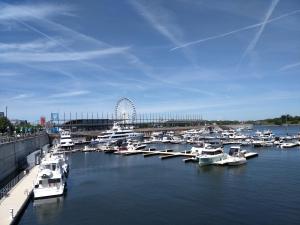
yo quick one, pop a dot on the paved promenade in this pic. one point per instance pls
(17, 198)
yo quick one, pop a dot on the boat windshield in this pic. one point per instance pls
(232, 151)
(212, 152)
(51, 166)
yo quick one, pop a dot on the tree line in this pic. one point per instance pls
(6, 127)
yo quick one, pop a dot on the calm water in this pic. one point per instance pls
(112, 189)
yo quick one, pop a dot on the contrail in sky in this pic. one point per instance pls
(257, 36)
(235, 31)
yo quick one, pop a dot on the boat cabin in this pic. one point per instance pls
(212, 152)
(234, 150)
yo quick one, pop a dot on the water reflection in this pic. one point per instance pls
(237, 170)
(48, 209)
(211, 168)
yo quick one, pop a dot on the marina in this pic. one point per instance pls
(232, 156)
(143, 112)
(114, 183)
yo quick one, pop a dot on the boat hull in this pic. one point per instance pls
(205, 161)
(39, 193)
(237, 162)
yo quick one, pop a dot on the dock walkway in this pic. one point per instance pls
(11, 205)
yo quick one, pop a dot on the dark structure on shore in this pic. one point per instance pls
(87, 124)
(125, 114)
(142, 121)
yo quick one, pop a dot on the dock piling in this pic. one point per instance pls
(11, 211)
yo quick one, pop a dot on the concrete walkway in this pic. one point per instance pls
(17, 198)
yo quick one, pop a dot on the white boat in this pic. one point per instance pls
(119, 133)
(63, 158)
(199, 148)
(51, 178)
(263, 142)
(155, 139)
(157, 134)
(131, 147)
(166, 139)
(176, 140)
(107, 147)
(89, 148)
(139, 146)
(232, 134)
(65, 139)
(210, 156)
(289, 145)
(265, 134)
(236, 156)
(278, 142)
(247, 141)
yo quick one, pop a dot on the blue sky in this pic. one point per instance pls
(230, 59)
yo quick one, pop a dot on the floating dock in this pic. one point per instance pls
(151, 154)
(163, 154)
(170, 156)
(13, 203)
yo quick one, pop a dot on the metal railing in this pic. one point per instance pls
(9, 139)
(4, 192)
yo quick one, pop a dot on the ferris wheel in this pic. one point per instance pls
(125, 110)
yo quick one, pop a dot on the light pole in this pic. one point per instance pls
(7, 131)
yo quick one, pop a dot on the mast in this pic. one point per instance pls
(286, 125)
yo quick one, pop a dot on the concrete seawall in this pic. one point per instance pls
(13, 154)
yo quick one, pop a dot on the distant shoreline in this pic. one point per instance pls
(298, 124)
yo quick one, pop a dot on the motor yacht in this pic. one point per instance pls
(289, 144)
(166, 139)
(247, 141)
(199, 148)
(131, 146)
(107, 147)
(119, 133)
(51, 178)
(263, 142)
(236, 156)
(139, 146)
(232, 134)
(264, 134)
(176, 140)
(65, 139)
(210, 156)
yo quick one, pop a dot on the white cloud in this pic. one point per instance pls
(7, 73)
(290, 66)
(76, 37)
(36, 45)
(20, 96)
(59, 56)
(29, 12)
(69, 94)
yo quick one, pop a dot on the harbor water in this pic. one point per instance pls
(114, 189)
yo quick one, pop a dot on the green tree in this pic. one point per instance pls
(6, 126)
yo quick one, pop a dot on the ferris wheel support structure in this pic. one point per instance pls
(125, 110)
